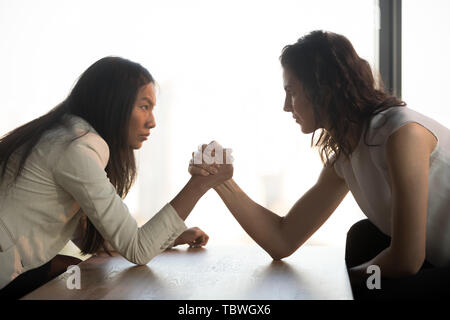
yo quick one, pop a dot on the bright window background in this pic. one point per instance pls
(219, 77)
(425, 57)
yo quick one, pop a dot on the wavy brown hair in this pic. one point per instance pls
(341, 87)
(104, 96)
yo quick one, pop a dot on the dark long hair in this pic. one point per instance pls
(341, 87)
(104, 96)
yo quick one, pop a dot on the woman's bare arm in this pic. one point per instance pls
(408, 156)
(196, 187)
(281, 236)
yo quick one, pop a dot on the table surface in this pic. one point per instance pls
(215, 272)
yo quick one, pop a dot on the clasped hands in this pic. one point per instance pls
(212, 161)
(213, 164)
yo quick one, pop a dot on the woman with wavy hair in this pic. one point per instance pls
(394, 160)
(64, 175)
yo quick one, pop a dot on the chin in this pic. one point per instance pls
(307, 130)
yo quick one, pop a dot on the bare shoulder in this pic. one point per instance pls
(408, 152)
(411, 135)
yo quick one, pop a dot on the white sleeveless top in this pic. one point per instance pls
(367, 177)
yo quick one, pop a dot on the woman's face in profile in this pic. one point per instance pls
(297, 102)
(142, 118)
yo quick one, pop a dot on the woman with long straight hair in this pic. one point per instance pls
(64, 176)
(394, 160)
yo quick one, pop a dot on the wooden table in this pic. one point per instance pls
(216, 272)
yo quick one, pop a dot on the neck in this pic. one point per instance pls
(353, 135)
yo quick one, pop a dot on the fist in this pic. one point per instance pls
(194, 237)
(212, 161)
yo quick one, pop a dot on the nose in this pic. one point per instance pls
(151, 121)
(287, 104)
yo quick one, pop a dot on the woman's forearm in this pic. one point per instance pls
(261, 224)
(187, 198)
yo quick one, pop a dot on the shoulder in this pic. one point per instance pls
(93, 142)
(84, 140)
(411, 135)
(382, 124)
(385, 123)
(408, 153)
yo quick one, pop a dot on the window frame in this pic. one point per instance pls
(390, 45)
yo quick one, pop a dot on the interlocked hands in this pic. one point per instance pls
(213, 162)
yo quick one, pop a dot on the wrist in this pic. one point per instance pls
(199, 183)
(221, 187)
(227, 186)
(175, 243)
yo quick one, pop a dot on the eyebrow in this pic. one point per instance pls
(149, 101)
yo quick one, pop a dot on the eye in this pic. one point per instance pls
(145, 107)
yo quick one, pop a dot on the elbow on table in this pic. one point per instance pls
(277, 257)
(286, 247)
(280, 254)
(283, 250)
(281, 247)
(141, 260)
(141, 253)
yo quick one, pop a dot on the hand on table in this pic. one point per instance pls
(217, 165)
(194, 237)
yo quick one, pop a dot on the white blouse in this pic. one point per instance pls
(367, 177)
(40, 212)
